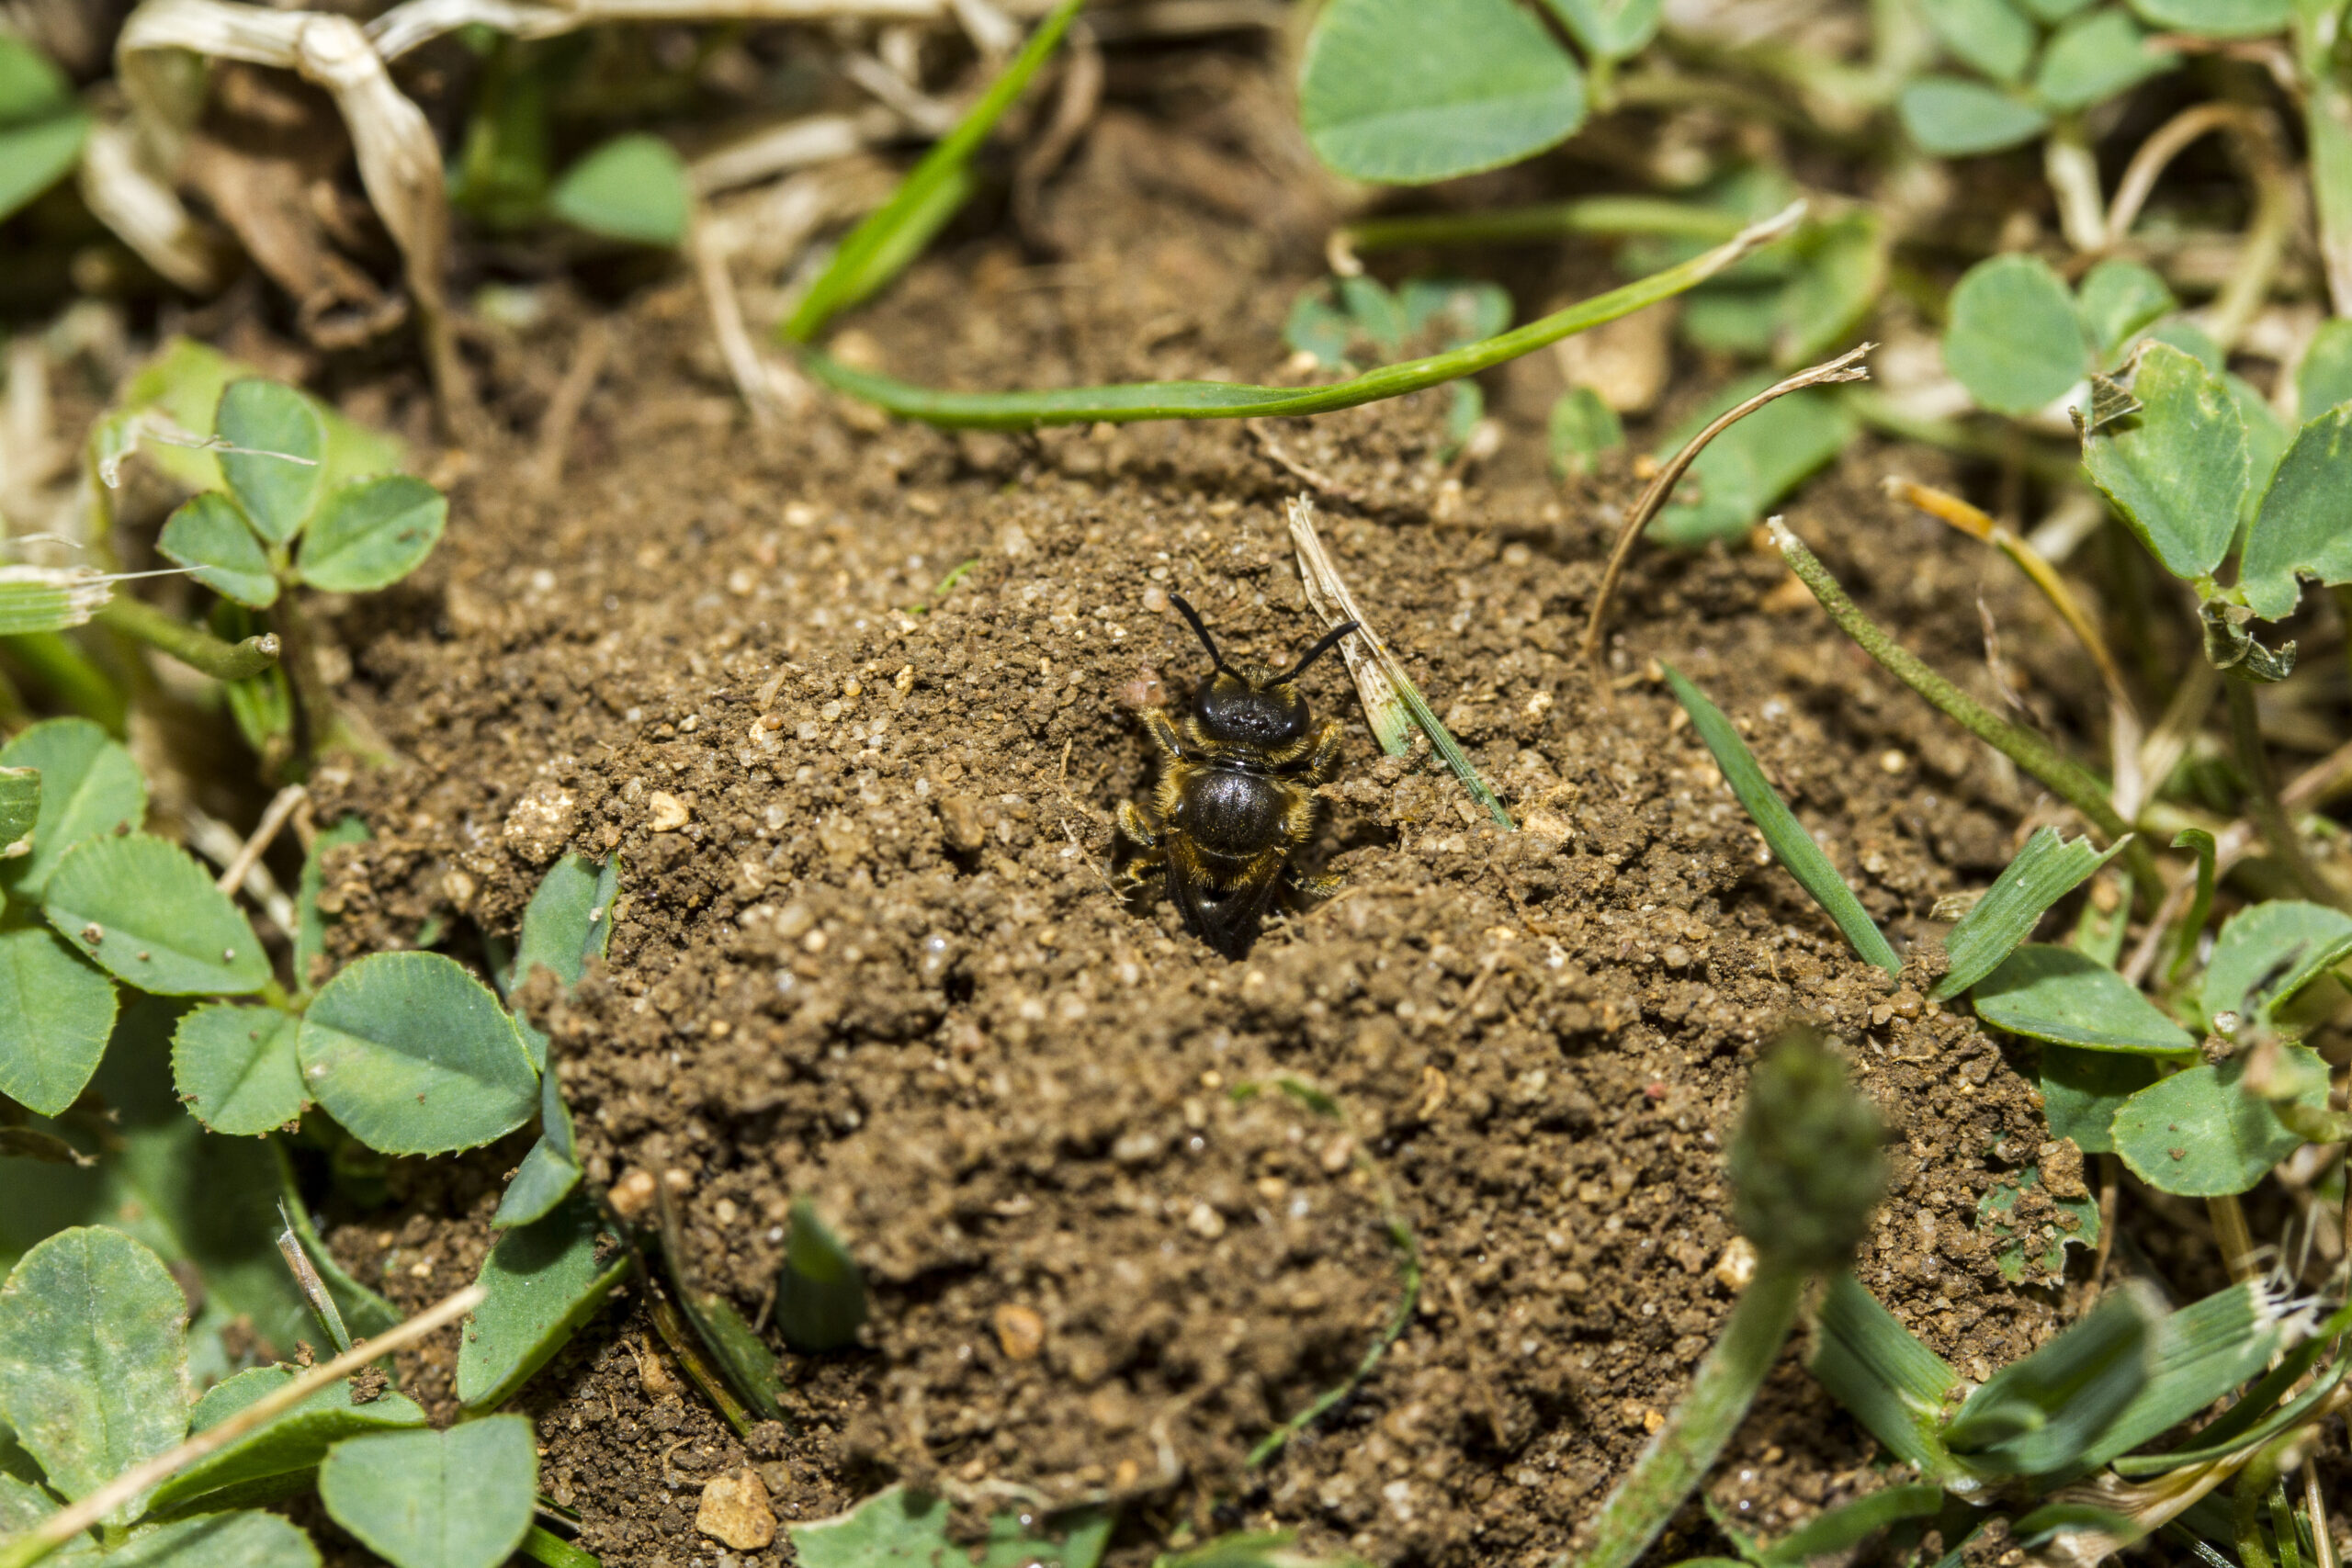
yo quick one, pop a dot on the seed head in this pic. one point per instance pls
(1805, 1167)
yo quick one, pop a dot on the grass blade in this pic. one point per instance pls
(2206, 1349)
(891, 236)
(1848, 1525)
(2069, 780)
(1891, 1383)
(2046, 871)
(2201, 903)
(1234, 399)
(1389, 695)
(2045, 1413)
(1792, 845)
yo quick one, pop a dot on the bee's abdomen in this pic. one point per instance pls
(1231, 813)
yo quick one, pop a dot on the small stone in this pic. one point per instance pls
(1020, 1331)
(655, 1380)
(541, 822)
(2061, 1164)
(959, 815)
(735, 1511)
(1736, 1267)
(632, 1194)
(1205, 1222)
(665, 813)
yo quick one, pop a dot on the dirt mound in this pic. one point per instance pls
(1125, 1206)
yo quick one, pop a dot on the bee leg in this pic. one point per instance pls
(1322, 761)
(1315, 889)
(1141, 874)
(1136, 827)
(1162, 731)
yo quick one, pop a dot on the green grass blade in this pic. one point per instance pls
(1726, 1384)
(2068, 779)
(1792, 845)
(2207, 1349)
(1840, 1528)
(1388, 694)
(1234, 399)
(2046, 871)
(888, 239)
(2262, 1411)
(1891, 1383)
(2046, 1414)
(1612, 215)
(2201, 903)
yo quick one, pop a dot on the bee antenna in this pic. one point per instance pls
(1199, 628)
(1323, 645)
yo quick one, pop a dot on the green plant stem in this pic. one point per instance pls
(915, 204)
(543, 1545)
(2072, 169)
(2262, 248)
(2073, 782)
(2235, 1238)
(199, 650)
(683, 1345)
(57, 663)
(2263, 807)
(2248, 1504)
(2328, 125)
(1614, 216)
(1679, 1457)
(1230, 400)
(313, 703)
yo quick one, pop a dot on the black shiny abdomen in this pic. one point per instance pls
(1231, 813)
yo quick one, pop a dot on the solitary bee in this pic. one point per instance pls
(1236, 798)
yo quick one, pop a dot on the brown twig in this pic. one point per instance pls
(281, 807)
(766, 388)
(2159, 150)
(554, 443)
(1841, 368)
(1313, 478)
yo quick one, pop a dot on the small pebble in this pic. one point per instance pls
(632, 1194)
(735, 1511)
(665, 812)
(1020, 1331)
(1736, 1267)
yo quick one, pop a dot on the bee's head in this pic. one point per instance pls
(1253, 706)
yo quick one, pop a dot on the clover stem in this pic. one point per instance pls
(1679, 1457)
(313, 705)
(2072, 169)
(2268, 812)
(199, 650)
(2235, 1239)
